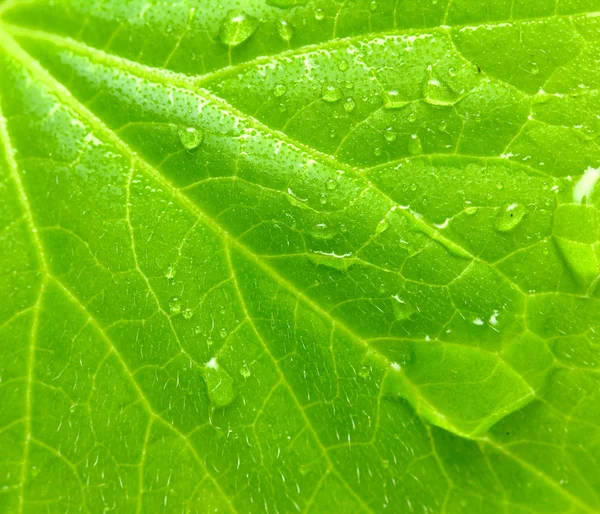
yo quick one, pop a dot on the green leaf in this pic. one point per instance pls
(289, 255)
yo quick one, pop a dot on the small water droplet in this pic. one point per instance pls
(413, 187)
(402, 309)
(322, 231)
(188, 313)
(364, 372)
(373, 6)
(382, 226)
(245, 371)
(285, 30)
(499, 185)
(332, 184)
(237, 27)
(197, 330)
(349, 105)
(331, 94)
(393, 100)
(175, 306)
(377, 151)
(509, 216)
(170, 272)
(319, 14)
(343, 65)
(279, 90)
(220, 386)
(389, 135)
(470, 211)
(223, 333)
(281, 108)
(415, 147)
(191, 137)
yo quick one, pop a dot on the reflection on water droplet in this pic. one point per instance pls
(191, 137)
(584, 187)
(349, 105)
(382, 226)
(332, 184)
(373, 6)
(237, 27)
(219, 383)
(389, 135)
(319, 15)
(331, 94)
(509, 217)
(175, 306)
(223, 333)
(415, 147)
(285, 30)
(377, 151)
(343, 65)
(279, 90)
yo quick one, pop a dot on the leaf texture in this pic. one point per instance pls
(299, 256)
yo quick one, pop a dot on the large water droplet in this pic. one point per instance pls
(219, 383)
(331, 94)
(285, 30)
(237, 27)
(509, 217)
(191, 137)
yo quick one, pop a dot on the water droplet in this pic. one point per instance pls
(332, 184)
(188, 313)
(393, 100)
(322, 231)
(382, 226)
(223, 333)
(285, 30)
(377, 151)
(191, 137)
(415, 147)
(219, 383)
(281, 108)
(349, 105)
(319, 15)
(499, 185)
(331, 94)
(413, 187)
(170, 272)
(373, 6)
(385, 464)
(364, 372)
(175, 306)
(343, 65)
(470, 211)
(437, 93)
(237, 27)
(197, 330)
(402, 309)
(389, 135)
(245, 371)
(509, 217)
(279, 90)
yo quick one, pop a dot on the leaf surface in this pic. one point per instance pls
(286, 256)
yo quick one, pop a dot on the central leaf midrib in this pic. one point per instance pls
(13, 48)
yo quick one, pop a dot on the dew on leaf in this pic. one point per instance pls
(402, 309)
(349, 105)
(343, 65)
(509, 216)
(382, 226)
(319, 14)
(245, 371)
(170, 272)
(237, 27)
(437, 93)
(394, 101)
(223, 333)
(191, 137)
(279, 90)
(331, 94)
(285, 30)
(470, 210)
(415, 147)
(373, 6)
(188, 313)
(175, 305)
(389, 135)
(220, 386)
(332, 184)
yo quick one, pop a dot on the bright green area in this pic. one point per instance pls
(299, 256)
